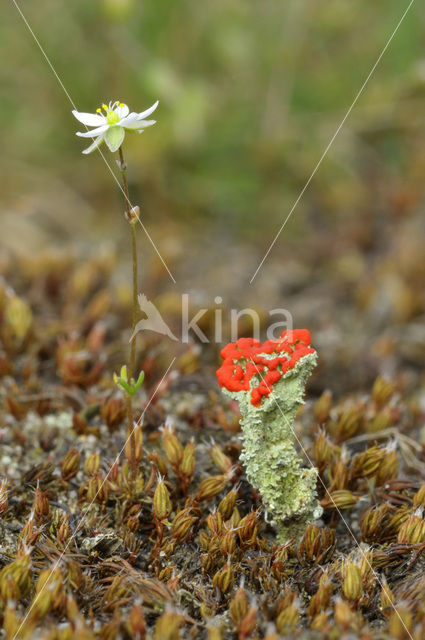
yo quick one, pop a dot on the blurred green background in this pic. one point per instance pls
(250, 94)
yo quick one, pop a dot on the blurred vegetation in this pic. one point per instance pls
(250, 95)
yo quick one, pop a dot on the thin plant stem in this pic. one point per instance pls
(130, 217)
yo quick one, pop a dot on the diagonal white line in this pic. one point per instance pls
(92, 502)
(330, 497)
(332, 140)
(46, 57)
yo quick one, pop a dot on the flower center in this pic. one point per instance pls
(112, 116)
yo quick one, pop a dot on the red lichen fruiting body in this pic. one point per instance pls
(247, 358)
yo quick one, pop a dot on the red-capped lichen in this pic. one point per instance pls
(248, 357)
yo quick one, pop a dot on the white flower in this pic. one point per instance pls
(112, 125)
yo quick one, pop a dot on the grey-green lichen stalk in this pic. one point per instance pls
(271, 460)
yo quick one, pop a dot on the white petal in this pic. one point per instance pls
(122, 111)
(114, 137)
(94, 132)
(132, 117)
(139, 124)
(145, 114)
(94, 145)
(89, 119)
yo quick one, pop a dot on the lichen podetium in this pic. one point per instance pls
(268, 380)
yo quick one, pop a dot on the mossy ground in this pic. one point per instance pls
(213, 568)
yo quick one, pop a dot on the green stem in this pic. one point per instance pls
(132, 222)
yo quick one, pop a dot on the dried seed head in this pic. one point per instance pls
(172, 448)
(113, 412)
(187, 466)
(226, 506)
(223, 462)
(397, 519)
(317, 544)
(248, 624)
(372, 522)
(168, 625)
(382, 391)
(162, 506)
(400, 625)
(339, 499)
(366, 464)
(387, 597)
(238, 606)
(4, 497)
(98, 489)
(215, 523)
(412, 531)
(70, 464)
(322, 407)
(348, 424)
(214, 632)
(321, 599)
(224, 578)
(418, 498)
(248, 529)
(135, 624)
(228, 544)
(91, 464)
(159, 463)
(339, 475)
(181, 525)
(352, 581)
(211, 487)
(389, 466)
(15, 579)
(323, 450)
(41, 506)
(287, 619)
